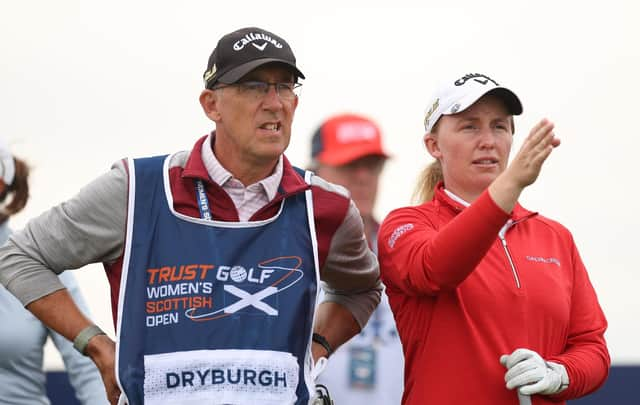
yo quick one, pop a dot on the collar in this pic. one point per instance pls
(220, 175)
(290, 182)
(456, 198)
(448, 198)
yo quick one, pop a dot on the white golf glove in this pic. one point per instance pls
(530, 374)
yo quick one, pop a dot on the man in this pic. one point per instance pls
(213, 255)
(347, 150)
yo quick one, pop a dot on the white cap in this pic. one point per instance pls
(7, 165)
(456, 96)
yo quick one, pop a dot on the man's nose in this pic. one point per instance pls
(272, 98)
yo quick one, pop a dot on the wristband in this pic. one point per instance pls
(82, 340)
(322, 341)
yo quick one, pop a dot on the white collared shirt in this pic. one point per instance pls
(247, 199)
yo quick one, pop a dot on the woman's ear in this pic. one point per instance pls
(431, 143)
(209, 102)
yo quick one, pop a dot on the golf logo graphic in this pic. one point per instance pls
(238, 274)
(249, 290)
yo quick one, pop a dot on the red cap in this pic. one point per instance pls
(344, 138)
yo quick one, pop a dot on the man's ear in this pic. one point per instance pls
(295, 103)
(209, 101)
(432, 146)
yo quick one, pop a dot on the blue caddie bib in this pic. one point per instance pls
(214, 312)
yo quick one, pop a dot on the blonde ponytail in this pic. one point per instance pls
(427, 181)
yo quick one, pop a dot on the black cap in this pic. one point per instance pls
(241, 51)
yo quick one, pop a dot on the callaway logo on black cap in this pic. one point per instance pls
(242, 51)
(251, 37)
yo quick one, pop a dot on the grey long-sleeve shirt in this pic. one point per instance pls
(90, 228)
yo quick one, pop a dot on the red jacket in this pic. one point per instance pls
(461, 298)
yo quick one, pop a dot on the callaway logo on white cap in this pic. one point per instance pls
(458, 95)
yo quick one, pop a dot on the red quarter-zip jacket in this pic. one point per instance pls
(462, 296)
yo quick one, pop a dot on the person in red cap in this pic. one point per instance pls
(347, 149)
(493, 304)
(214, 255)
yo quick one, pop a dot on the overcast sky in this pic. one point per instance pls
(84, 83)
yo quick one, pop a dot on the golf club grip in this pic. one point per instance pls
(524, 399)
